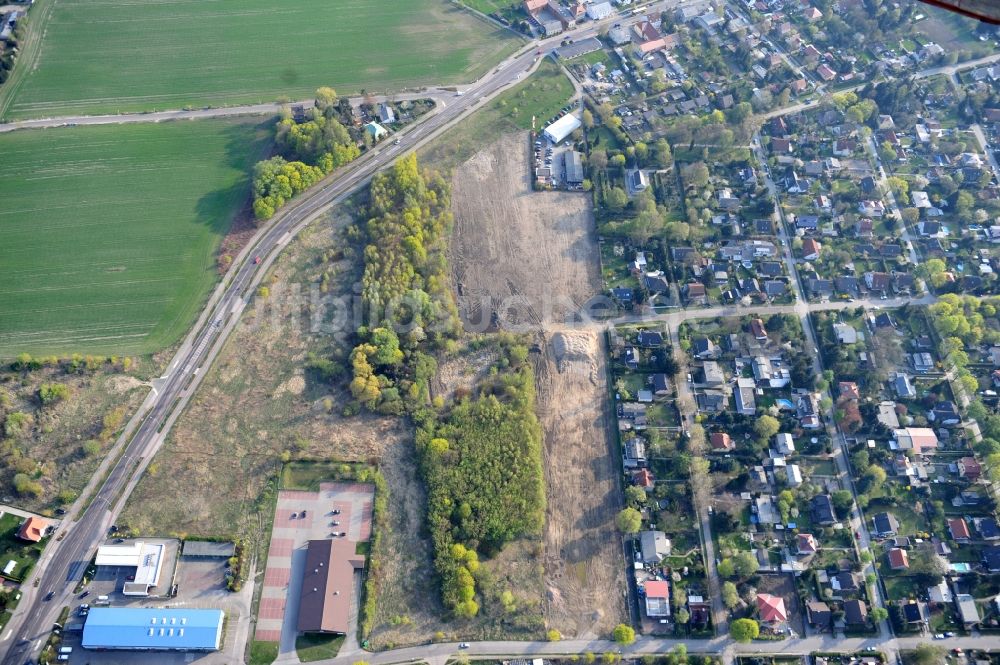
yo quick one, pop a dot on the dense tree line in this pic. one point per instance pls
(405, 287)
(482, 464)
(308, 151)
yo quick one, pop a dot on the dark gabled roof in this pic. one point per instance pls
(912, 613)
(774, 287)
(770, 268)
(991, 558)
(988, 528)
(820, 286)
(855, 611)
(660, 382)
(885, 523)
(847, 580)
(649, 338)
(847, 284)
(821, 508)
(681, 253)
(656, 284)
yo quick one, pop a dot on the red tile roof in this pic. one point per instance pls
(720, 441)
(959, 529)
(771, 608)
(898, 559)
(807, 543)
(657, 589)
(33, 529)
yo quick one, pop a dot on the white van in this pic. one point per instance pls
(66, 650)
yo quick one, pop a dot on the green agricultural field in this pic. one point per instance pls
(114, 56)
(108, 234)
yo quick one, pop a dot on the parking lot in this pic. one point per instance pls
(299, 517)
(200, 583)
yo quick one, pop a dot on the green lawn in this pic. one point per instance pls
(13, 548)
(108, 234)
(317, 647)
(117, 55)
(490, 6)
(263, 653)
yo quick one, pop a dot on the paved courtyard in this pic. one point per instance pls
(278, 614)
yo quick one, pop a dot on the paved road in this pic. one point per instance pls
(272, 108)
(723, 646)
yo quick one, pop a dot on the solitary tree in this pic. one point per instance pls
(766, 427)
(744, 630)
(624, 634)
(730, 595)
(629, 520)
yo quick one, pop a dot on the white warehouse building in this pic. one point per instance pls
(562, 128)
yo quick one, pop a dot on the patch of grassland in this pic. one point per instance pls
(232, 52)
(311, 648)
(108, 234)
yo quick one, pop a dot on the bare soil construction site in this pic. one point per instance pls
(538, 252)
(523, 256)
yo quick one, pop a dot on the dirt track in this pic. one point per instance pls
(510, 241)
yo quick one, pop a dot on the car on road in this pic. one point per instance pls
(256, 260)
(463, 645)
(938, 636)
(49, 596)
(84, 594)
(949, 634)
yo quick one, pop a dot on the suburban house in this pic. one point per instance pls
(654, 545)
(657, 598)
(635, 453)
(744, 392)
(720, 441)
(855, 612)
(33, 529)
(821, 510)
(967, 609)
(959, 530)
(758, 330)
(713, 374)
(784, 443)
(771, 609)
(885, 525)
(806, 544)
(648, 39)
(819, 614)
(811, 249)
(918, 439)
(898, 559)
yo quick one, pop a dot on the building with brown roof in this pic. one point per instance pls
(720, 441)
(898, 559)
(647, 38)
(327, 585)
(33, 529)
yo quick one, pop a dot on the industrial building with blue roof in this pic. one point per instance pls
(152, 629)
